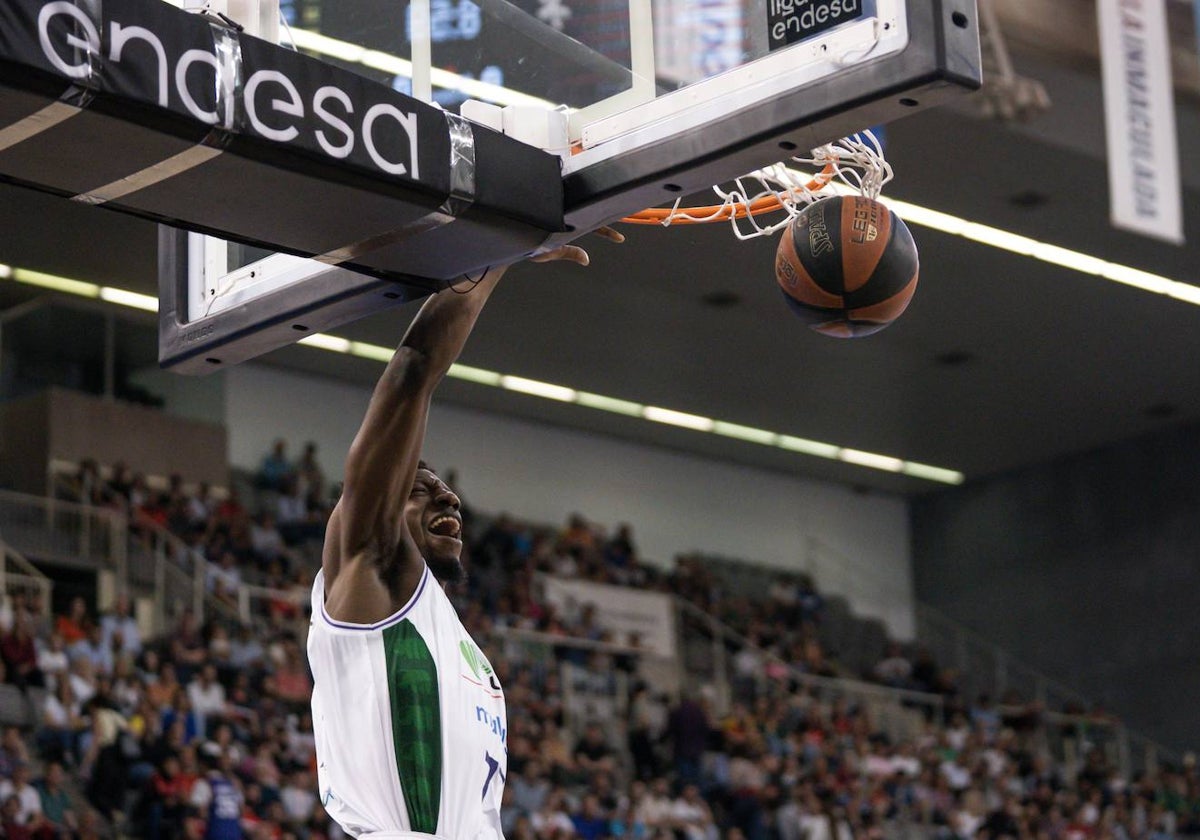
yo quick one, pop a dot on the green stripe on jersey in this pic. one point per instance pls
(416, 723)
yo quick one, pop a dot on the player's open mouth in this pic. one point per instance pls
(445, 526)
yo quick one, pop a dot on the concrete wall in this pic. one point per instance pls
(675, 502)
(1087, 569)
(64, 425)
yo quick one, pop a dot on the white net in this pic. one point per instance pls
(764, 201)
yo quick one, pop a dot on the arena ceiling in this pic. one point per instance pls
(1001, 361)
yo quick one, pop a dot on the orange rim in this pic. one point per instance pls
(725, 212)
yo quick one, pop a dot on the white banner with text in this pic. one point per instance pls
(626, 613)
(1139, 108)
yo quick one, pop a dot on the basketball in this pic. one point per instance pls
(847, 266)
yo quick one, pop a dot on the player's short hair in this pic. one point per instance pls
(424, 465)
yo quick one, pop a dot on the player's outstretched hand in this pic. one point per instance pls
(575, 254)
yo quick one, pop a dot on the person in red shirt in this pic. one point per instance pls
(73, 627)
(20, 657)
(167, 800)
(10, 829)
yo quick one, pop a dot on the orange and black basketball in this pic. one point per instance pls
(847, 266)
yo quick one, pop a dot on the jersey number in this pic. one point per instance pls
(493, 771)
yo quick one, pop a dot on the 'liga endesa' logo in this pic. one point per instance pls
(266, 93)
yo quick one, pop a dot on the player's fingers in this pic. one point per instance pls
(569, 253)
(611, 234)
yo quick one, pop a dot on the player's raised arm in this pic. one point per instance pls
(368, 532)
(383, 458)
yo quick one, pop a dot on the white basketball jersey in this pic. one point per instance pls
(409, 721)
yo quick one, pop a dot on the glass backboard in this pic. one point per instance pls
(641, 100)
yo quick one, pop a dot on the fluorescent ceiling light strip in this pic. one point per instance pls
(746, 433)
(326, 342)
(870, 459)
(537, 389)
(56, 283)
(678, 418)
(374, 352)
(808, 447)
(310, 41)
(929, 473)
(149, 303)
(473, 374)
(603, 403)
(533, 387)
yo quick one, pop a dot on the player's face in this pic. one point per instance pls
(433, 519)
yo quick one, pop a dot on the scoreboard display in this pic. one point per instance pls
(485, 41)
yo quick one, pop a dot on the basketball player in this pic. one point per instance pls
(408, 714)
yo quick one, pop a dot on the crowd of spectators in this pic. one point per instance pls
(167, 737)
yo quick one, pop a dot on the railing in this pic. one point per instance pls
(161, 562)
(595, 692)
(986, 668)
(898, 712)
(983, 667)
(62, 531)
(173, 571)
(18, 574)
(147, 558)
(259, 600)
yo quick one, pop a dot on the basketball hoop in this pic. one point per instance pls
(856, 162)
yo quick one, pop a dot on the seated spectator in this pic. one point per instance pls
(619, 550)
(200, 506)
(220, 651)
(57, 813)
(312, 479)
(292, 513)
(53, 661)
(83, 680)
(165, 801)
(119, 486)
(224, 578)
(29, 814)
(10, 826)
(92, 649)
(162, 691)
(207, 697)
(266, 539)
(298, 796)
(530, 787)
(86, 485)
(246, 651)
(691, 815)
(291, 683)
(985, 719)
(589, 820)
(188, 649)
(577, 534)
(592, 753)
(551, 820)
(140, 493)
(275, 468)
(230, 508)
(654, 808)
(809, 600)
(894, 669)
(555, 754)
(20, 656)
(126, 686)
(9, 609)
(12, 751)
(60, 723)
(73, 627)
